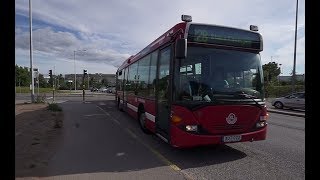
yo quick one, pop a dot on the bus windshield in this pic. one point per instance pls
(209, 75)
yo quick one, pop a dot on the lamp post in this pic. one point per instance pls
(279, 74)
(36, 71)
(31, 60)
(88, 80)
(75, 76)
(294, 54)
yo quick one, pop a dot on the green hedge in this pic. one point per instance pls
(277, 91)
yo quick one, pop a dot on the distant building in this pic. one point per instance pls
(299, 77)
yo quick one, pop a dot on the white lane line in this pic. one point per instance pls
(113, 119)
(160, 156)
(94, 115)
(49, 98)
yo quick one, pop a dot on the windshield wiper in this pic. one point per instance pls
(248, 96)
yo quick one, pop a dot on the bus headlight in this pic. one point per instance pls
(192, 128)
(261, 124)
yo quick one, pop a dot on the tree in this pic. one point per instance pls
(60, 82)
(270, 72)
(104, 82)
(23, 76)
(42, 82)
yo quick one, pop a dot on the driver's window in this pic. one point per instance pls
(301, 95)
(293, 96)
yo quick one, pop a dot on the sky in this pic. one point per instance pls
(99, 35)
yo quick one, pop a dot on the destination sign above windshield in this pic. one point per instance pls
(224, 36)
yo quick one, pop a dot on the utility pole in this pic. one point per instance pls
(83, 84)
(31, 60)
(88, 81)
(294, 55)
(38, 84)
(75, 76)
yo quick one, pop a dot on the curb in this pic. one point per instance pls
(286, 113)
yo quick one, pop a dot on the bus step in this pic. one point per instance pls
(163, 138)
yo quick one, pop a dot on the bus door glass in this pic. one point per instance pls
(163, 108)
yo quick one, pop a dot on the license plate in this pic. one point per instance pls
(234, 138)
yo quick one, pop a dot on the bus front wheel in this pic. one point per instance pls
(142, 122)
(118, 104)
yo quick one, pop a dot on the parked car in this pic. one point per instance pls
(292, 101)
(94, 89)
(111, 89)
(103, 89)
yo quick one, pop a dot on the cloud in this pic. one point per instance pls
(62, 45)
(113, 30)
(46, 40)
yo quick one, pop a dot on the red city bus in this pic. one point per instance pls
(197, 84)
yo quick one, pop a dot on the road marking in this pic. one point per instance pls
(94, 115)
(120, 154)
(159, 155)
(60, 101)
(49, 98)
(102, 104)
(113, 119)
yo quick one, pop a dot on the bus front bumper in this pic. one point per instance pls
(183, 139)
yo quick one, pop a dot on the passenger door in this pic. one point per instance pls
(162, 89)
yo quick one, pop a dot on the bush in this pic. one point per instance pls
(54, 107)
(40, 98)
(277, 91)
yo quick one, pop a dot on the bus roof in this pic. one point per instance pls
(164, 38)
(179, 28)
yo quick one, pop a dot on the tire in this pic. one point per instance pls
(118, 104)
(142, 121)
(278, 105)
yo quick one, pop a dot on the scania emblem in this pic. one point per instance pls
(231, 119)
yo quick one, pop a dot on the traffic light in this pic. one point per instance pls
(84, 72)
(50, 73)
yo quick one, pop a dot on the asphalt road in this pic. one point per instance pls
(100, 141)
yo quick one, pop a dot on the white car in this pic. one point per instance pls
(103, 89)
(292, 101)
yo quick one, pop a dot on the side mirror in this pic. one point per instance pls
(181, 48)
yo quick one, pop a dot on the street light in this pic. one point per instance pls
(31, 60)
(279, 74)
(36, 70)
(75, 76)
(294, 53)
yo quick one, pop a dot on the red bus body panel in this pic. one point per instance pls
(213, 120)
